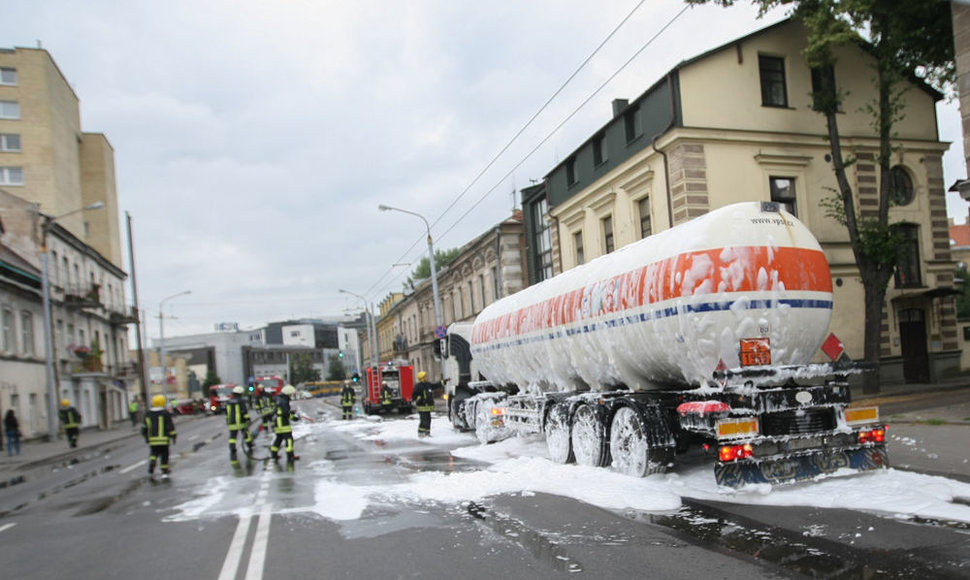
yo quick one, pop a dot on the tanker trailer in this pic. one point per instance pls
(702, 334)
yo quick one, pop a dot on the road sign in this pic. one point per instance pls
(440, 332)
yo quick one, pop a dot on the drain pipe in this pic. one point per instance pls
(653, 145)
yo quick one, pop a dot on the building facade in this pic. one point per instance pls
(681, 149)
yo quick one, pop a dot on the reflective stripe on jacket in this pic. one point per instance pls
(423, 398)
(237, 416)
(283, 415)
(158, 428)
(70, 417)
(347, 397)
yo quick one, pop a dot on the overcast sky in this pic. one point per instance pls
(254, 140)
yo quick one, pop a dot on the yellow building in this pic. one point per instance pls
(736, 124)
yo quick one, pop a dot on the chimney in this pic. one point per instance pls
(619, 105)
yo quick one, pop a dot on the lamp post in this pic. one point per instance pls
(161, 340)
(51, 379)
(371, 331)
(434, 277)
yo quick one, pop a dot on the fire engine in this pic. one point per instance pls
(219, 395)
(399, 379)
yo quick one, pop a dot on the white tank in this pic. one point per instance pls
(665, 310)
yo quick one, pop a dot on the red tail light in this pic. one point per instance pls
(734, 452)
(877, 435)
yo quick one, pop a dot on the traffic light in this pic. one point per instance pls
(252, 388)
(340, 354)
(355, 378)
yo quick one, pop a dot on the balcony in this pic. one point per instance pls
(123, 318)
(400, 345)
(79, 296)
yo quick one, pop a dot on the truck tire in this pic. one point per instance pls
(556, 429)
(588, 439)
(640, 441)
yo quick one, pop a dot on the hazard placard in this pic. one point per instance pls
(755, 352)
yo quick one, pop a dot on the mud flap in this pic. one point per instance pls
(800, 467)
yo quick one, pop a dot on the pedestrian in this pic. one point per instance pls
(347, 399)
(159, 432)
(71, 420)
(133, 412)
(386, 399)
(423, 400)
(237, 418)
(12, 429)
(282, 426)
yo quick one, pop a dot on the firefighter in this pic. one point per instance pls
(347, 399)
(264, 402)
(423, 400)
(386, 400)
(71, 420)
(159, 432)
(237, 418)
(282, 426)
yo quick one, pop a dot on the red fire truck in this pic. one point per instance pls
(219, 395)
(398, 378)
(272, 385)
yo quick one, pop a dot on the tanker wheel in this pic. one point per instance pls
(589, 437)
(640, 445)
(556, 430)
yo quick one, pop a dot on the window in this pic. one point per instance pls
(643, 209)
(823, 85)
(481, 288)
(631, 123)
(496, 287)
(471, 298)
(542, 241)
(8, 76)
(599, 149)
(11, 175)
(27, 331)
(608, 235)
(9, 110)
(907, 258)
(783, 191)
(571, 171)
(773, 93)
(578, 244)
(9, 340)
(901, 186)
(9, 142)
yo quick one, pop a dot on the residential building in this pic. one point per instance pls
(736, 124)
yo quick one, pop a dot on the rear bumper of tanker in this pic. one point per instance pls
(801, 466)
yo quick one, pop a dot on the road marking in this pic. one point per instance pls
(257, 559)
(6, 527)
(231, 563)
(134, 465)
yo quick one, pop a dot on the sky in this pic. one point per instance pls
(255, 140)
(521, 466)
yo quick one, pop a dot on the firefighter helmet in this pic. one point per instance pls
(158, 401)
(288, 390)
(65, 403)
(238, 390)
(422, 375)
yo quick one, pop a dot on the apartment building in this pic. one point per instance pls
(50, 170)
(735, 124)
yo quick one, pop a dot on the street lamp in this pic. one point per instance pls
(372, 340)
(434, 277)
(161, 340)
(51, 378)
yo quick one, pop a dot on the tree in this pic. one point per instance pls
(301, 369)
(423, 270)
(336, 370)
(211, 378)
(904, 38)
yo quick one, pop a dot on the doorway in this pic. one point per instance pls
(912, 338)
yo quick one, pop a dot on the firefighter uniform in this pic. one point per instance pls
(423, 400)
(283, 417)
(71, 420)
(159, 432)
(347, 399)
(386, 400)
(237, 418)
(264, 402)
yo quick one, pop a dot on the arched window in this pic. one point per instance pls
(901, 186)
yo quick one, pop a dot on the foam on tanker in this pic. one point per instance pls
(665, 309)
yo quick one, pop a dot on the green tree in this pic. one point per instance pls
(336, 371)
(423, 270)
(301, 369)
(211, 378)
(904, 38)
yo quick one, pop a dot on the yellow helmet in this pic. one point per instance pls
(65, 403)
(158, 401)
(422, 375)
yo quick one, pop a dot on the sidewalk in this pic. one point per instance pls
(41, 453)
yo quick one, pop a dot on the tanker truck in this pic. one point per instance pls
(699, 337)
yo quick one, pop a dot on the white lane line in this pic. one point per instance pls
(231, 563)
(134, 465)
(257, 558)
(6, 527)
